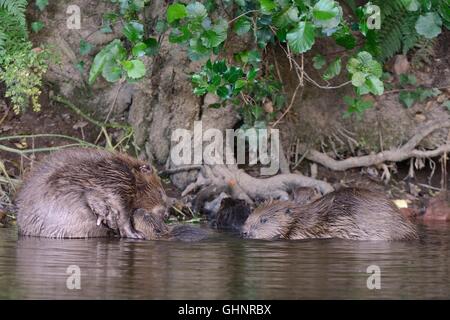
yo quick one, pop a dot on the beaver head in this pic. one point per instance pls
(272, 220)
(150, 193)
(151, 226)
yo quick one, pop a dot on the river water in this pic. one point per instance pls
(225, 267)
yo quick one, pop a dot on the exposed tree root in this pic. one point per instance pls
(245, 187)
(408, 150)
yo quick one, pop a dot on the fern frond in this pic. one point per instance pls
(15, 8)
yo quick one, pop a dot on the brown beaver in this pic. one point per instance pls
(154, 228)
(79, 193)
(304, 195)
(232, 215)
(355, 214)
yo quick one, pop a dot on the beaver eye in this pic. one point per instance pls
(263, 220)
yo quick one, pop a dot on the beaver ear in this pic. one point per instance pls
(147, 169)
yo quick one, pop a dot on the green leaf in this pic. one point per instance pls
(240, 84)
(37, 26)
(301, 38)
(152, 46)
(199, 91)
(114, 50)
(365, 57)
(344, 38)
(267, 6)
(353, 65)
(135, 68)
(85, 47)
(111, 71)
(41, 4)
(333, 69)
(251, 75)
(139, 49)
(196, 10)
(407, 79)
(211, 39)
(222, 92)
(80, 66)
(325, 10)
(176, 12)
(134, 31)
(429, 25)
(375, 68)
(374, 85)
(219, 66)
(358, 79)
(179, 35)
(242, 26)
(318, 61)
(286, 17)
(407, 98)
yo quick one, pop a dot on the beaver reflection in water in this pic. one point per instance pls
(355, 214)
(80, 193)
(154, 228)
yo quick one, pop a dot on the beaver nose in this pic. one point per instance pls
(244, 234)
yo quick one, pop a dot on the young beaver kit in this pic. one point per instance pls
(355, 214)
(154, 228)
(80, 193)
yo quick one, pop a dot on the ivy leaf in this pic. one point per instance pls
(333, 69)
(242, 26)
(41, 4)
(374, 85)
(134, 31)
(135, 68)
(176, 12)
(267, 6)
(301, 38)
(85, 47)
(407, 98)
(429, 25)
(37, 26)
(325, 10)
(318, 61)
(180, 35)
(196, 10)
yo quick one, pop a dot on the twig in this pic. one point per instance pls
(241, 15)
(290, 104)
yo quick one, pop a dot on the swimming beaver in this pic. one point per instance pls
(355, 214)
(80, 193)
(154, 228)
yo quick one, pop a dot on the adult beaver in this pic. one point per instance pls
(355, 214)
(154, 228)
(80, 193)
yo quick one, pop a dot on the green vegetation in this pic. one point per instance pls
(21, 65)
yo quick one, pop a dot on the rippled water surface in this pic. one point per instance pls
(225, 267)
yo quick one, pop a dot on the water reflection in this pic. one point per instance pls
(225, 268)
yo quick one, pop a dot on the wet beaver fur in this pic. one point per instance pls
(232, 215)
(80, 193)
(154, 228)
(349, 213)
(304, 195)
